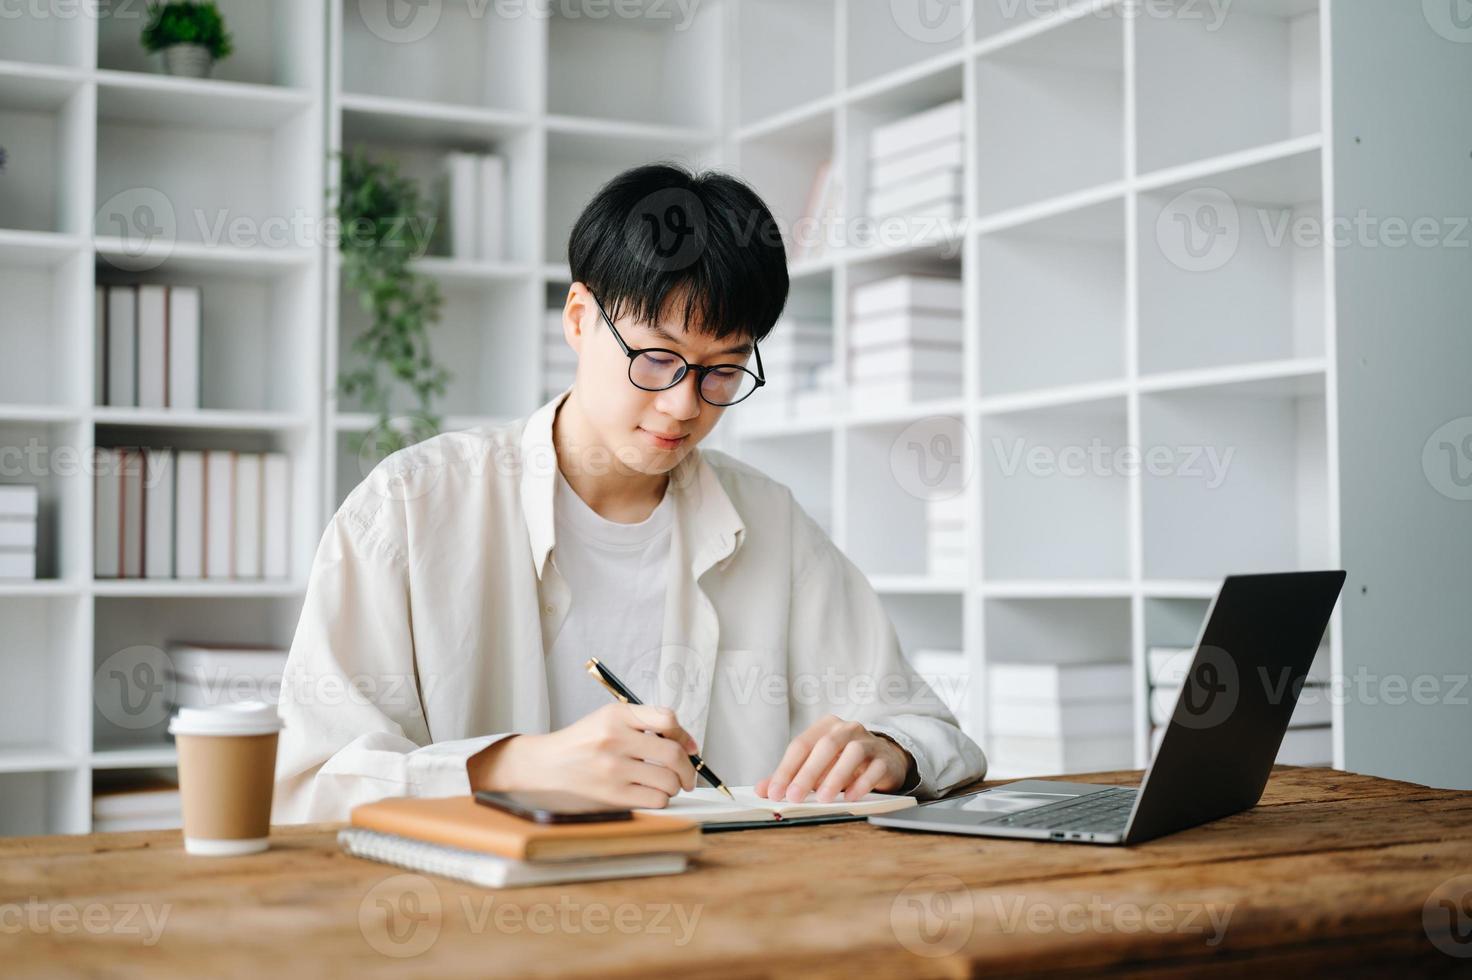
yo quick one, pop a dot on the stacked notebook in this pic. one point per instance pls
(126, 800)
(147, 339)
(19, 507)
(213, 674)
(916, 166)
(945, 521)
(1048, 719)
(456, 837)
(904, 341)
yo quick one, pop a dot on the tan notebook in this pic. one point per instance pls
(459, 821)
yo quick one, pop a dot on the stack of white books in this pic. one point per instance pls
(559, 361)
(191, 514)
(147, 340)
(136, 801)
(797, 358)
(946, 672)
(946, 536)
(1047, 719)
(905, 341)
(211, 675)
(916, 166)
(1308, 742)
(19, 507)
(474, 206)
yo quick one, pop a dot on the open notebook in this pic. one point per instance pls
(706, 805)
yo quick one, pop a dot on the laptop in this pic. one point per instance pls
(1260, 636)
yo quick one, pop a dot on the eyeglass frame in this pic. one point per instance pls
(701, 370)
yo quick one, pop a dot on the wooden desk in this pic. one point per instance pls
(1332, 870)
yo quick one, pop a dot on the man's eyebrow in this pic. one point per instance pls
(663, 334)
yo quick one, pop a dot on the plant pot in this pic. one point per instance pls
(188, 60)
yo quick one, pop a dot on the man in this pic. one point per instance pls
(459, 590)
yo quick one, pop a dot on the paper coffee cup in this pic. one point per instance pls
(227, 768)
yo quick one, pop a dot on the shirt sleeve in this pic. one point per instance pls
(354, 725)
(843, 645)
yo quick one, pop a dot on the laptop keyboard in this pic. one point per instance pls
(1104, 812)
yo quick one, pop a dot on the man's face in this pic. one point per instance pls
(647, 431)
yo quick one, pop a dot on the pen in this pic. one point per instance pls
(616, 687)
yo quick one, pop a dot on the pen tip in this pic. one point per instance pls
(727, 791)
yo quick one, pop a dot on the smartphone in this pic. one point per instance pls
(552, 807)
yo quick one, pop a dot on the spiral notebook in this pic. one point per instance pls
(495, 871)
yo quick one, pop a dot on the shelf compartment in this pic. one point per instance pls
(277, 42)
(1055, 500)
(46, 42)
(48, 132)
(641, 62)
(41, 706)
(255, 355)
(804, 463)
(788, 51)
(1231, 266)
(421, 158)
(1209, 83)
(44, 803)
(782, 165)
(1052, 300)
(481, 338)
(1050, 114)
(1247, 490)
(131, 693)
(894, 469)
(904, 37)
(53, 456)
(41, 323)
(1057, 631)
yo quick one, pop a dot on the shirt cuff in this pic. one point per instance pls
(439, 769)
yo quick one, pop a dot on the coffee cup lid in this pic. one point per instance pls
(243, 718)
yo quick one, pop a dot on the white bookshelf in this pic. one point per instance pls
(118, 174)
(1090, 135)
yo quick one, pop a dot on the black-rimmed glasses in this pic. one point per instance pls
(656, 368)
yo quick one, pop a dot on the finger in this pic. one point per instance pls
(666, 752)
(647, 718)
(761, 787)
(650, 775)
(797, 753)
(636, 797)
(818, 761)
(850, 762)
(867, 780)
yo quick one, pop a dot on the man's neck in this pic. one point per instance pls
(607, 485)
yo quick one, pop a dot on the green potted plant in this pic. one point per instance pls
(189, 35)
(386, 222)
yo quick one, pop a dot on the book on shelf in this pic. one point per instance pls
(473, 206)
(213, 674)
(136, 800)
(900, 390)
(916, 194)
(189, 514)
(909, 360)
(147, 346)
(907, 294)
(219, 506)
(1050, 755)
(948, 155)
(1066, 719)
(247, 516)
(130, 507)
(902, 327)
(938, 124)
(809, 239)
(1167, 665)
(947, 674)
(276, 516)
(1061, 682)
(158, 513)
(19, 513)
(1312, 707)
(1313, 746)
(492, 199)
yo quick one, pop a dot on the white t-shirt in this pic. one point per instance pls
(617, 577)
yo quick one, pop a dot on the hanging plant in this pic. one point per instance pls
(386, 223)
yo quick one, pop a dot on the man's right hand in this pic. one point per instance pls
(614, 755)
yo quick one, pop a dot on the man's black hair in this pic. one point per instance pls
(660, 232)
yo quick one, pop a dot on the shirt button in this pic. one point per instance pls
(548, 609)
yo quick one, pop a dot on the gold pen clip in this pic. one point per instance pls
(597, 675)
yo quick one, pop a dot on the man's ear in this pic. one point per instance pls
(574, 314)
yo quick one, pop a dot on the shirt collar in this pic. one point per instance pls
(708, 518)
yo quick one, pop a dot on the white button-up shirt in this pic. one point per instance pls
(432, 600)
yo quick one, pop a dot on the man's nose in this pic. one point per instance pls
(683, 400)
